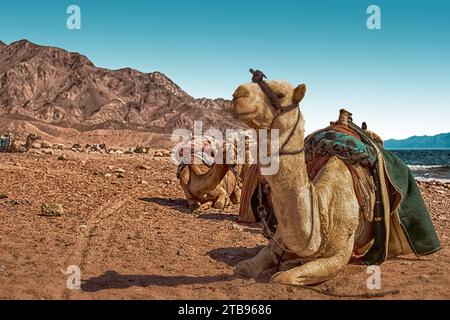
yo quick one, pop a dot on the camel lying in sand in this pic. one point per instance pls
(210, 184)
(13, 146)
(316, 220)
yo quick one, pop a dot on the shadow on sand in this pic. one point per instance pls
(177, 204)
(222, 216)
(113, 280)
(231, 256)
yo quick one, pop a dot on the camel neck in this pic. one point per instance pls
(291, 141)
(292, 195)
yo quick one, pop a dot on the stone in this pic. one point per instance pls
(140, 149)
(47, 151)
(143, 167)
(52, 210)
(119, 170)
(62, 157)
(3, 196)
(46, 145)
(20, 202)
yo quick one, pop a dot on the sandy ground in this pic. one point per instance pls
(133, 238)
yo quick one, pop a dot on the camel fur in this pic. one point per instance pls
(317, 221)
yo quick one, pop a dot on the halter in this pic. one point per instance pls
(258, 78)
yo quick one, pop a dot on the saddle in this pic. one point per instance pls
(400, 222)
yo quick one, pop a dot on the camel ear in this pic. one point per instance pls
(299, 93)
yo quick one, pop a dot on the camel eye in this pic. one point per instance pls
(280, 95)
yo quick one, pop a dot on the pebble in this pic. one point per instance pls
(52, 210)
(119, 170)
(236, 227)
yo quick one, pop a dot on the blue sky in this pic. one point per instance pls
(397, 78)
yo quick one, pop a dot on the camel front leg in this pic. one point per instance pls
(264, 260)
(316, 271)
(221, 198)
(252, 267)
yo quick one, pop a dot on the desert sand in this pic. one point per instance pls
(127, 226)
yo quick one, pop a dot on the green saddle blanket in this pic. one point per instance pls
(344, 146)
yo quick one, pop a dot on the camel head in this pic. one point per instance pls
(252, 106)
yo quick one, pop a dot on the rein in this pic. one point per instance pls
(258, 78)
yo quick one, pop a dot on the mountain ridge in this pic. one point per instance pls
(439, 141)
(58, 87)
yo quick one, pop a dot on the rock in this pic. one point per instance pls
(46, 145)
(236, 227)
(52, 210)
(35, 151)
(76, 146)
(2, 268)
(140, 149)
(158, 154)
(3, 196)
(128, 152)
(20, 202)
(108, 175)
(425, 277)
(119, 170)
(36, 145)
(143, 167)
(62, 157)
(58, 146)
(120, 175)
(47, 151)
(143, 182)
(440, 191)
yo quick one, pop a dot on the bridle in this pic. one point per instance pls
(258, 78)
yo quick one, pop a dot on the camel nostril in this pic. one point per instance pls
(241, 92)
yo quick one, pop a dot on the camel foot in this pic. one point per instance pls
(253, 267)
(246, 269)
(200, 208)
(220, 204)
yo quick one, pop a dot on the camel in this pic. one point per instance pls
(13, 146)
(317, 221)
(213, 185)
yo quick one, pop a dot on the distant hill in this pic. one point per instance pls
(440, 141)
(60, 88)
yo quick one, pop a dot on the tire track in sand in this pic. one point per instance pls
(99, 226)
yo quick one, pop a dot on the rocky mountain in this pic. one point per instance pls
(66, 89)
(440, 141)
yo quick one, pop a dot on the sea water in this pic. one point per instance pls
(427, 165)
